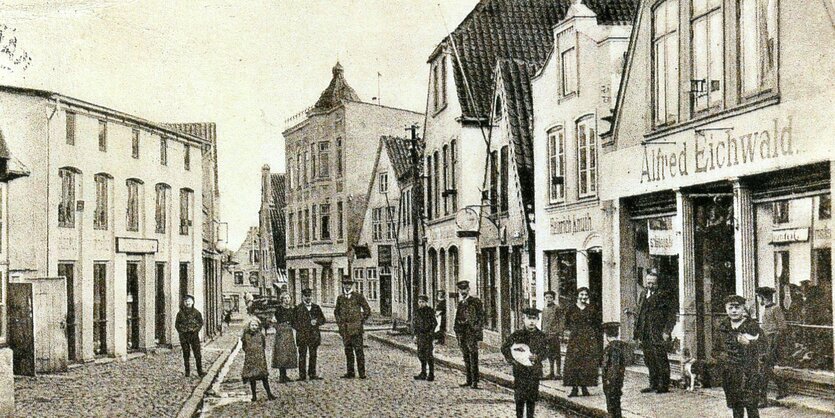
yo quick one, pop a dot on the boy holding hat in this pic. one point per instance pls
(531, 342)
(307, 319)
(469, 319)
(424, 328)
(188, 324)
(773, 324)
(351, 312)
(614, 365)
(737, 352)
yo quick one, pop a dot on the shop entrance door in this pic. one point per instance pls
(159, 304)
(595, 259)
(714, 266)
(385, 291)
(133, 305)
(67, 271)
(100, 308)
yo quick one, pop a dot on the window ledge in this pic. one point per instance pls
(759, 103)
(567, 97)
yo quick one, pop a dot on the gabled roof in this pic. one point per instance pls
(400, 156)
(515, 76)
(336, 92)
(513, 29)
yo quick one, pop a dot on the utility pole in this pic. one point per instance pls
(417, 206)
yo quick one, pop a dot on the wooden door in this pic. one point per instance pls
(159, 304)
(385, 291)
(100, 308)
(133, 305)
(49, 300)
(67, 271)
(22, 328)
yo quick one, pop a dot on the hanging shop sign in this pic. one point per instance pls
(789, 235)
(662, 237)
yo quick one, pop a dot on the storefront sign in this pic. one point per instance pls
(662, 237)
(783, 236)
(136, 245)
(714, 149)
(571, 224)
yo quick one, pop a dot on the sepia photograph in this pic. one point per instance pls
(417, 208)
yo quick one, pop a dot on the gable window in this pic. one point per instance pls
(339, 168)
(665, 62)
(324, 159)
(494, 181)
(161, 208)
(102, 136)
(586, 157)
(132, 213)
(377, 224)
(758, 46)
(70, 128)
(325, 217)
(185, 211)
(163, 151)
(100, 215)
(187, 157)
(556, 165)
(134, 144)
(505, 177)
(566, 41)
(66, 207)
(497, 112)
(383, 181)
(439, 83)
(707, 81)
(339, 226)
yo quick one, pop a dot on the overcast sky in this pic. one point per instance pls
(247, 65)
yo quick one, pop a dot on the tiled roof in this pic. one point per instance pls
(514, 29)
(400, 156)
(337, 91)
(518, 109)
(277, 218)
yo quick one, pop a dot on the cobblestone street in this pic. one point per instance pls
(150, 386)
(389, 390)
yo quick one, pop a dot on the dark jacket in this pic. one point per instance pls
(351, 312)
(188, 320)
(656, 316)
(469, 318)
(425, 321)
(526, 378)
(308, 334)
(740, 364)
(614, 366)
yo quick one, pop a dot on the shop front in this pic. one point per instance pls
(721, 210)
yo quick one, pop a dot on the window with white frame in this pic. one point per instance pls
(556, 164)
(758, 46)
(586, 157)
(707, 82)
(383, 181)
(100, 215)
(665, 62)
(66, 207)
(377, 224)
(371, 278)
(133, 205)
(567, 44)
(359, 273)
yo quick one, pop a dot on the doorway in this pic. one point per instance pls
(385, 291)
(67, 271)
(595, 266)
(184, 280)
(133, 305)
(159, 304)
(100, 308)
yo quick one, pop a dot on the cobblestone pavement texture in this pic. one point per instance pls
(389, 391)
(678, 402)
(149, 386)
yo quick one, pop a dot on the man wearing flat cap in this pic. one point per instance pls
(655, 322)
(469, 320)
(307, 319)
(737, 351)
(188, 324)
(351, 312)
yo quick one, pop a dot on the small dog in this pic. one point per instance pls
(692, 372)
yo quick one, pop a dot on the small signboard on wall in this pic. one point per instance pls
(136, 245)
(785, 236)
(662, 237)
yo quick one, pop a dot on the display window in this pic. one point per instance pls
(657, 247)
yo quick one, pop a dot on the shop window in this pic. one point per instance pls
(707, 54)
(665, 62)
(656, 248)
(780, 214)
(758, 46)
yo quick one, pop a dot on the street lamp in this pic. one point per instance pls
(222, 234)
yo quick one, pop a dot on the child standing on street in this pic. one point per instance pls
(553, 324)
(255, 359)
(614, 366)
(424, 327)
(774, 326)
(737, 351)
(525, 349)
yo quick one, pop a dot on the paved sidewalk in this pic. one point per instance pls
(679, 403)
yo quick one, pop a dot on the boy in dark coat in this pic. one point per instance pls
(424, 328)
(188, 324)
(614, 366)
(307, 319)
(531, 342)
(737, 351)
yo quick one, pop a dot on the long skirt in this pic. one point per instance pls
(581, 360)
(285, 355)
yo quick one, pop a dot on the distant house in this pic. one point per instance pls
(272, 235)
(242, 274)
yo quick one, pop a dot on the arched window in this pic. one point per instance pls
(452, 260)
(442, 273)
(431, 269)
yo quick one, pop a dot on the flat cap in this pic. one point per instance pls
(188, 297)
(347, 280)
(463, 284)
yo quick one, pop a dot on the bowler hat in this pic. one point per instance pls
(463, 284)
(735, 299)
(307, 292)
(347, 280)
(611, 329)
(531, 312)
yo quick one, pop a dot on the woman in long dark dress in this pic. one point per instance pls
(583, 353)
(284, 348)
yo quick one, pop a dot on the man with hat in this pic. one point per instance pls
(655, 322)
(614, 366)
(307, 319)
(188, 324)
(773, 324)
(469, 319)
(424, 329)
(737, 352)
(525, 349)
(351, 312)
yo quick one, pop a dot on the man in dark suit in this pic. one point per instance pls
(351, 312)
(440, 314)
(656, 319)
(307, 319)
(469, 319)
